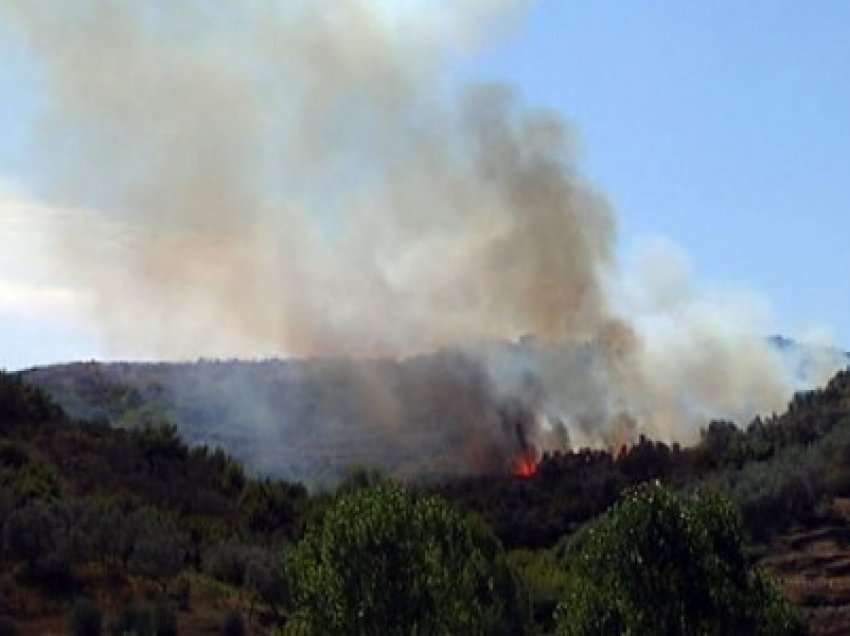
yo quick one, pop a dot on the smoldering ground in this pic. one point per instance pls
(301, 179)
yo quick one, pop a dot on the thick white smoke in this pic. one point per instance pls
(297, 178)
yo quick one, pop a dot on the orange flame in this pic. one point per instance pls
(526, 465)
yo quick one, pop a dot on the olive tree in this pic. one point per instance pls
(659, 563)
(384, 561)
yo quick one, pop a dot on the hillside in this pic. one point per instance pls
(300, 420)
(425, 417)
(127, 514)
(124, 517)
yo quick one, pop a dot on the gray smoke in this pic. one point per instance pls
(298, 178)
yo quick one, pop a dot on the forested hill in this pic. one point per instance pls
(776, 470)
(109, 512)
(309, 420)
(117, 514)
(303, 420)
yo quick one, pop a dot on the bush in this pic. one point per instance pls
(786, 488)
(85, 619)
(543, 581)
(233, 625)
(384, 561)
(657, 563)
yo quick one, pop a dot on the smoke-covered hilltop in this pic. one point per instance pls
(424, 417)
(302, 179)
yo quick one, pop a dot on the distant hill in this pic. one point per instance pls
(428, 416)
(304, 420)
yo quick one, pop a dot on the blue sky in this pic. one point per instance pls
(723, 126)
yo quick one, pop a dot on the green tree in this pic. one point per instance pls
(658, 563)
(543, 582)
(383, 561)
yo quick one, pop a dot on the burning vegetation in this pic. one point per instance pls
(219, 182)
(525, 465)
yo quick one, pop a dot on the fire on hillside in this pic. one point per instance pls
(525, 465)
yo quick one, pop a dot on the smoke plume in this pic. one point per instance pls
(299, 178)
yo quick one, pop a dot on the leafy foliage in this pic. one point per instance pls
(79, 499)
(385, 561)
(658, 563)
(543, 580)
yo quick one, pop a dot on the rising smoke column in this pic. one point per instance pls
(297, 178)
(286, 174)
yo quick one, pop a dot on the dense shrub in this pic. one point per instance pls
(543, 581)
(85, 619)
(785, 489)
(658, 563)
(384, 561)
